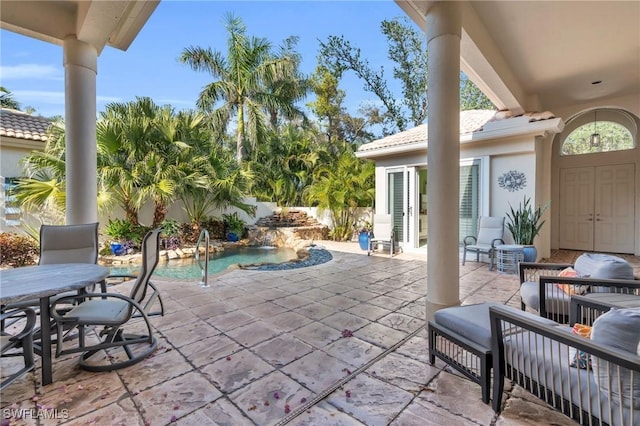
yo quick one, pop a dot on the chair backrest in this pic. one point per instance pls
(69, 244)
(489, 229)
(382, 226)
(150, 258)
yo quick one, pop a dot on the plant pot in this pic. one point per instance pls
(231, 236)
(530, 253)
(363, 240)
(117, 249)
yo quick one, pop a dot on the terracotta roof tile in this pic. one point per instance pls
(470, 121)
(20, 125)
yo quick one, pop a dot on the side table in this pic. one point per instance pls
(508, 257)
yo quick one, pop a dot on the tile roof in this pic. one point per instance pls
(20, 125)
(471, 121)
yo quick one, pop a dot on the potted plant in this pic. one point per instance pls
(235, 225)
(364, 234)
(525, 223)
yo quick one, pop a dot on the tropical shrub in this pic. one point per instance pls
(123, 231)
(17, 250)
(234, 224)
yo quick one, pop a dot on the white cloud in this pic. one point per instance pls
(27, 97)
(31, 71)
(108, 99)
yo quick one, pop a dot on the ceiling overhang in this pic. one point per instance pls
(99, 23)
(536, 56)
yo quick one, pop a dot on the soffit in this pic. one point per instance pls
(529, 55)
(99, 23)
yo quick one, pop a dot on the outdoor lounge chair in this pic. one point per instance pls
(383, 234)
(490, 233)
(113, 311)
(592, 273)
(19, 343)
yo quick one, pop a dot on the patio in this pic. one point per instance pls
(275, 347)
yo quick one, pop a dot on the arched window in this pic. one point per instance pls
(598, 136)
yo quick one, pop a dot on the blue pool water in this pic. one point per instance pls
(218, 262)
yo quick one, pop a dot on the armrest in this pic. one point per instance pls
(507, 322)
(468, 240)
(585, 310)
(531, 271)
(569, 286)
(493, 243)
(20, 313)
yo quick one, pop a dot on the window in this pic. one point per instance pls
(10, 208)
(469, 199)
(613, 136)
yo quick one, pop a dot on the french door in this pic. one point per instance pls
(597, 208)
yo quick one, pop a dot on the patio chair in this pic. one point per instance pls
(64, 244)
(383, 234)
(19, 343)
(114, 311)
(490, 233)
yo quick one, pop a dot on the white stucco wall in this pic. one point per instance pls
(10, 159)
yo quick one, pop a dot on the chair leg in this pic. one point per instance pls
(464, 256)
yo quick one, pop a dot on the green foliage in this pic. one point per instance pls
(250, 80)
(17, 250)
(408, 51)
(170, 227)
(121, 230)
(234, 224)
(340, 188)
(7, 100)
(613, 137)
(525, 222)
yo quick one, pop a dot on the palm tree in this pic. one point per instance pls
(243, 82)
(341, 188)
(7, 100)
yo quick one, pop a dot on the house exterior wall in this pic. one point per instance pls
(12, 151)
(527, 154)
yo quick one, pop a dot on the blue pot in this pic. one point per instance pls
(530, 253)
(231, 236)
(117, 249)
(363, 240)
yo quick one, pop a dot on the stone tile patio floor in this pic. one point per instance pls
(269, 348)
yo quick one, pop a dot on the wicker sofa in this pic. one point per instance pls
(537, 354)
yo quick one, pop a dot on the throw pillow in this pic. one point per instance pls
(581, 359)
(618, 328)
(570, 289)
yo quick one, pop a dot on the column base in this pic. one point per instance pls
(432, 307)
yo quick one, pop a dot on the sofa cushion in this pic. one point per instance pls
(606, 266)
(469, 321)
(557, 301)
(620, 329)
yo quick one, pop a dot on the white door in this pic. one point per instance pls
(614, 209)
(597, 206)
(413, 208)
(576, 208)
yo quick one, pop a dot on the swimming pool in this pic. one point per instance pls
(218, 262)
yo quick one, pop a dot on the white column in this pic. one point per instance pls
(444, 23)
(80, 69)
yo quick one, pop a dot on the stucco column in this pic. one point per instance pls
(444, 23)
(80, 69)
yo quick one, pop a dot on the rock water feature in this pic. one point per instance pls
(289, 228)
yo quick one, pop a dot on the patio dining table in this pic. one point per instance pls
(42, 282)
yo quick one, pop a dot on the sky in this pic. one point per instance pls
(32, 70)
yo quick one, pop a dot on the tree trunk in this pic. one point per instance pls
(159, 213)
(240, 136)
